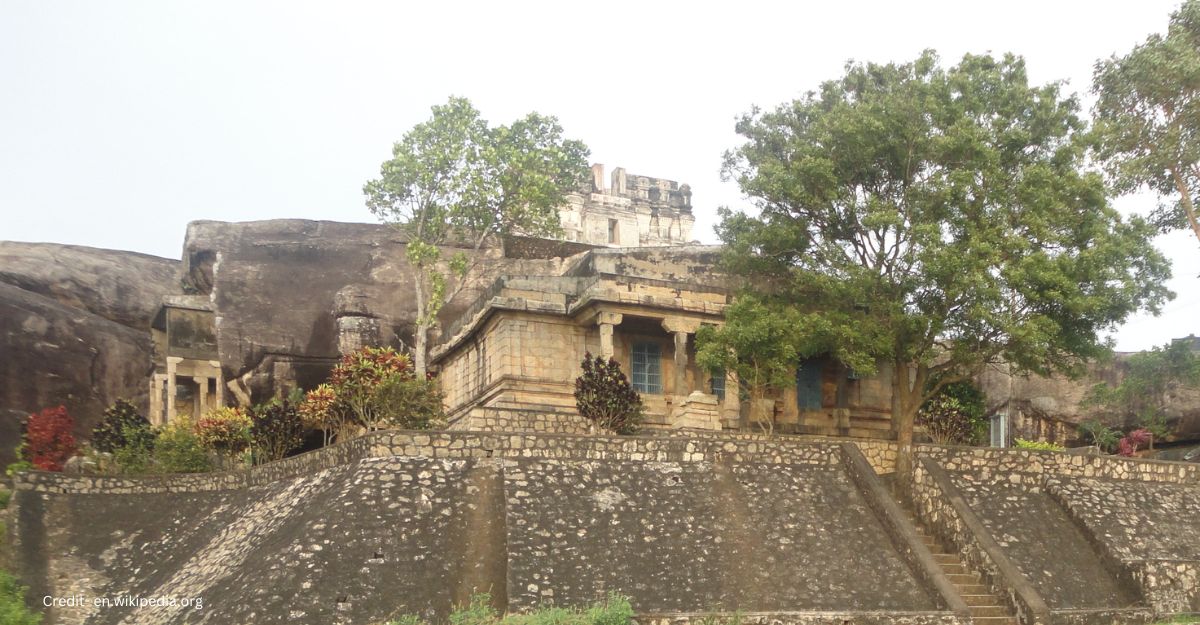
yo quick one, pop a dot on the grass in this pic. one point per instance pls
(615, 610)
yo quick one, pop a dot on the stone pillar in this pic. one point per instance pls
(607, 321)
(598, 178)
(220, 383)
(155, 399)
(681, 327)
(172, 361)
(201, 395)
(732, 407)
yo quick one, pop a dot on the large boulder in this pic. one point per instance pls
(56, 354)
(125, 287)
(289, 295)
(74, 330)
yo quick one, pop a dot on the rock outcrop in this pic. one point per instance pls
(290, 294)
(74, 330)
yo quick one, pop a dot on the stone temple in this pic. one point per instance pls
(700, 518)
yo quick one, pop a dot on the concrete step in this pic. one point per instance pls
(946, 558)
(963, 579)
(973, 589)
(995, 620)
(978, 612)
(955, 569)
(981, 600)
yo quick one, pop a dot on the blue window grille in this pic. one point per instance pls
(647, 368)
(808, 385)
(718, 384)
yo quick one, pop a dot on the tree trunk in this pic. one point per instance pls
(1185, 200)
(421, 350)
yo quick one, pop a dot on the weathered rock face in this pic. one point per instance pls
(290, 294)
(74, 330)
(1049, 403)
(125, 287)
(55, 354)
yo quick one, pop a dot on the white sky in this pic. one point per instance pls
(121, 121)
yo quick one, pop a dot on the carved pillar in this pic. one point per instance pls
(732, 407)
(607, 321)
(681, 327)
(172, 361)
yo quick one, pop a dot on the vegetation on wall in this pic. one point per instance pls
(225, 431)
(1038, 445)
(937, 219)
(614, 610)
(605, 397)
(120, 421)
(455, 180)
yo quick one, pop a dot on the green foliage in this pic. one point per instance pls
(275, 430)
(224, 430)
(120, 419)
(605, 397)
(955, 415)
(1150, 379)
(13, 610)
(614, 610)
(5, 497)
(370, 389)
(17, 467)
(1100, 435)
(136, 454)
(178, 450)
(1145, 118)
(1038, 445)
(937, 219)
(453, 180)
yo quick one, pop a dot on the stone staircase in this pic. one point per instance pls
(986, 607)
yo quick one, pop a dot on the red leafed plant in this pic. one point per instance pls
(48, 439)
(1133, 441)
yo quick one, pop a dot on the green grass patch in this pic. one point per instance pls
(615, 610)
(12, 603)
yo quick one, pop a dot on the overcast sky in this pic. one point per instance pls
(122, 121)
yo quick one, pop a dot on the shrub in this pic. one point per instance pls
(1100, 435)
(320, 411)
(225, 431)
(5, 497)
(275, 429)
(178, 450)
(136, 453)
(408, 402)
(1131, 442)
(945, 421)
(48, 439)
(12, 603)
(1038, 445)
(122, 419)
(605, 397)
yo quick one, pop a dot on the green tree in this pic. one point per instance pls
(1147, 118)
(936, 220)
(761, 345)
(453, 181)
(605, 397)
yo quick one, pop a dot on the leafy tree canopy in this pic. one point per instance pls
(1148, 118)
(454, 180)
(937, 219)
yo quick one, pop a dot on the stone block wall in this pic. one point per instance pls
(398, 522)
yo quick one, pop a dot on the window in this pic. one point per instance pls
(614, 234)
(999, 430)
(718, 384)
(647, 368)
(808, 385)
